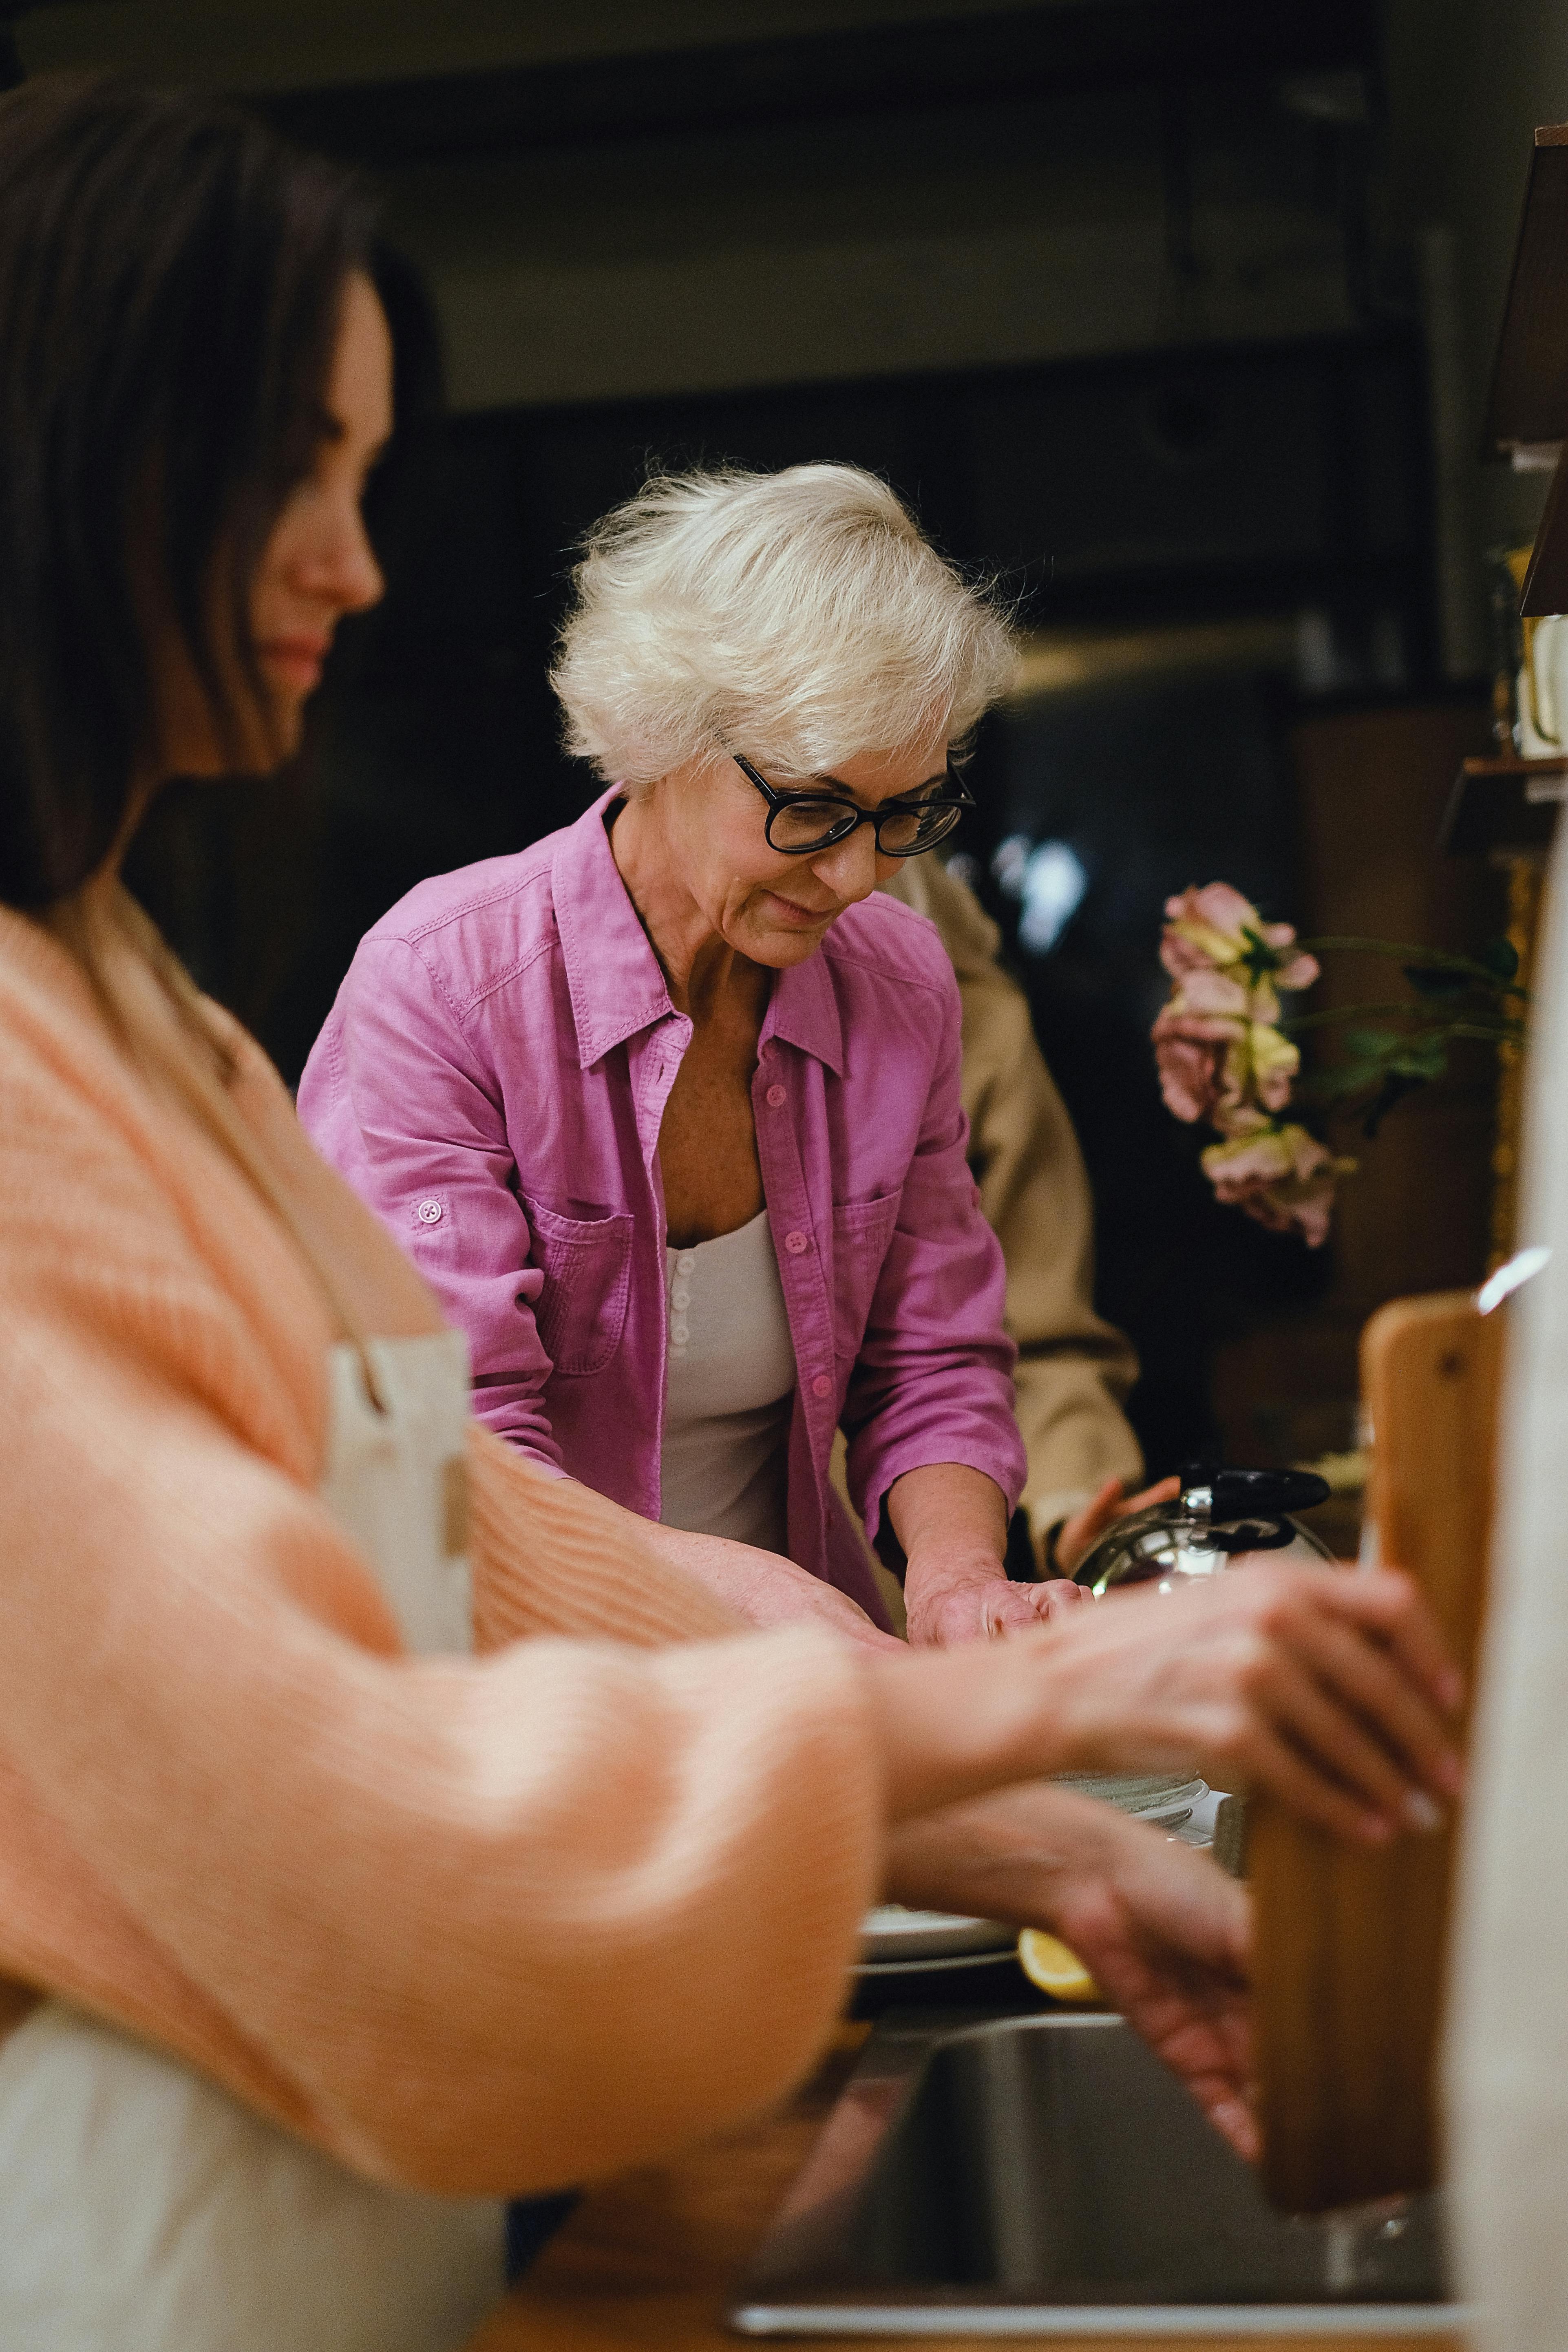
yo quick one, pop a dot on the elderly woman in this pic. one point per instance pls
(666, 1107)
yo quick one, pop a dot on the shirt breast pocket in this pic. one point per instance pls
(586, 1263)
(862, 1234)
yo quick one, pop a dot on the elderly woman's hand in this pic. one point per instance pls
(976, 1602)
(952, 1524)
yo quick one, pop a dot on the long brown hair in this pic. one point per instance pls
(170, 282)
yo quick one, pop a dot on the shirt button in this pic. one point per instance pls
(429, 1212)
(776, 1097)
(795, 1243)
(822, 1386)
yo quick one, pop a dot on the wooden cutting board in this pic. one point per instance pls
(1351, 1946)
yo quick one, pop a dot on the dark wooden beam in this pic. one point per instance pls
(1529, 400)
(1546, 582)
(954, 61)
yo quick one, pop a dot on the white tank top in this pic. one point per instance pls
(729, 1390)
(141, 2206)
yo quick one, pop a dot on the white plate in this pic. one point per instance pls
(891, 1933)
(934, 1966)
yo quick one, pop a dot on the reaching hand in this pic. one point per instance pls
(1112, 1503)
(1164, 1934)
(1332, 1689)
(1162, 1930)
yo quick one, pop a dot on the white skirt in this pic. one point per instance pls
(143, 2210)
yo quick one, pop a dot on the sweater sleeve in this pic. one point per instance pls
(491, 1925)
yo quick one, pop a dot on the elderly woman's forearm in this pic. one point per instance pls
(948, 1511)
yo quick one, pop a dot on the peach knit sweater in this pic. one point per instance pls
(482, 1925)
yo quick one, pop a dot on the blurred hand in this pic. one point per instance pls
(1112, 1503)
(1162, 1931)
(1332, 1689)
(1166, 1936)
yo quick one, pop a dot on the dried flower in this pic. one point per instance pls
(1223, 1058)
(1216, 929)
(1279, 1173)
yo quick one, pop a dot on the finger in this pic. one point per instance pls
(1056, 1598)
(1298, 1782)
(1234, 2121)
(1165, 1490)
(1008, 1608)
(1389, 1602)
(1336, 1742)
(1368, 1680)
(1085, 1527)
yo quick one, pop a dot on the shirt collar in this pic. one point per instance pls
(804, 1010)
(613, 975)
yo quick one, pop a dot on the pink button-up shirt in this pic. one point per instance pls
(492, 1079)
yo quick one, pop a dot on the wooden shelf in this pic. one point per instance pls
(1509, 807)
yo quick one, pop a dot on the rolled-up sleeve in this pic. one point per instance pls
(933, 1380)
(395, 1096)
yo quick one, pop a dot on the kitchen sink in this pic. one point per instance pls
(1047, 2175)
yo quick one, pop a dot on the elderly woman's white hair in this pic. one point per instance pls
(799, 617)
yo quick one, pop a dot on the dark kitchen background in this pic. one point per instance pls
(1170, 315)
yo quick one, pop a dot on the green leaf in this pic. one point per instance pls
(1436, 981)
(1421, 1058)
(1500, 955)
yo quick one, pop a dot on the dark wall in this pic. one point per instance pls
(1151, 492)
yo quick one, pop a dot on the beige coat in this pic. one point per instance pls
(1073, 1369)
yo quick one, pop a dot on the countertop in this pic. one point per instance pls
(643, 2263)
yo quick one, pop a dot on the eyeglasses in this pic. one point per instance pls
(799, 823)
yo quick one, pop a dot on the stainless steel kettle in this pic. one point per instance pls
(1218, 1515)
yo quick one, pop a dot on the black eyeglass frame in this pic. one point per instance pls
(952, 804)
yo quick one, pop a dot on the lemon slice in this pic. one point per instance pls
(1046, 1962)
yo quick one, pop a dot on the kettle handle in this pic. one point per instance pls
(1252, 1494)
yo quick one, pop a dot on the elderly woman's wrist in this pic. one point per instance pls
(942, 1569)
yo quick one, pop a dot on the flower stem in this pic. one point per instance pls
(1429, 959)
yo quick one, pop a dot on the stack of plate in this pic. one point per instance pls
(1164, 1799)
(895, 1942)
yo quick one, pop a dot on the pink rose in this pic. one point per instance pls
(1279, 1175)
(1213, 995)
(1212, 1064)
(1191, 1058)
(1217, 928)
(1273, 1063)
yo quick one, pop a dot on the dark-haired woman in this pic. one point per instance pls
(318, 1934)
